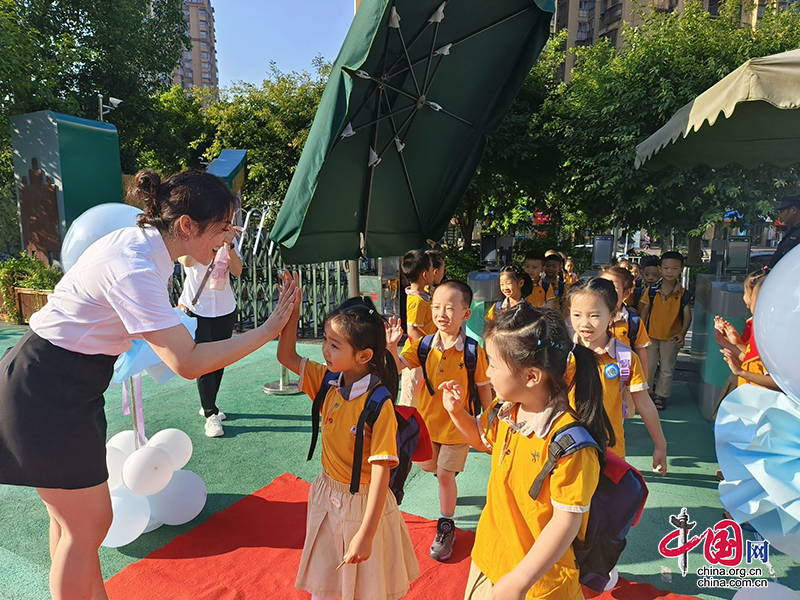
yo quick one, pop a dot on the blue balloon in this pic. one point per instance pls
(95, 223)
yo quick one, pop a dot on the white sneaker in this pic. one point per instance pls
(214, 427)
(221, 414)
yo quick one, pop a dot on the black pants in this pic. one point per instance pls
(212, 329)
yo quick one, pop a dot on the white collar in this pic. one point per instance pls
(423, 295)
(458, 345)
(163, 263)
(540, 424)
(357, 388)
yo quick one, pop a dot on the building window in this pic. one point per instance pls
(203, 24)
(204, 45)
(203, 34)
(206, 66)
(204, 55)
(202, 12)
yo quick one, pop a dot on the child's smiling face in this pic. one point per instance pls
(651, 275)
(449, 310)
(533, 267)
(590, 318)
(510, 286)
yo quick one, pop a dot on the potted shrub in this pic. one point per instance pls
(25, 284)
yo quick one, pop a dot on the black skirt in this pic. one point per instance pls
(52, 419)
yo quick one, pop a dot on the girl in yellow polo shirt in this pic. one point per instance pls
(591, 304)
(623, 282)
(378, 560)
(516, 285)
(523, 546)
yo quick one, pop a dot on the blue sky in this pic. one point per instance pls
(251, 33)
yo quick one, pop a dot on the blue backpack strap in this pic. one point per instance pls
(637, 296)
(685, 299)
(498, 307)
(316, 408)
(368, 416)
(634, 324)
(567, 440)
(423, 350)
(471, 362)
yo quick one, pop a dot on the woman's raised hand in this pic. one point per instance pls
(288, 303)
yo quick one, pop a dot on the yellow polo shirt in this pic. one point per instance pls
(612, 394)
(752, 364)
(537, 296)
(664, 321)
(443, 364)
(619, 329)
(339, 418)
(511, 521)
(419, 314)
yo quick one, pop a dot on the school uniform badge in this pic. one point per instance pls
(611, 371)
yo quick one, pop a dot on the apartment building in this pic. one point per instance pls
(198, 66)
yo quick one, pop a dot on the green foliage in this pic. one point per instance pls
(458, 262)
(272, 122)
(24, 272)
(616, 99)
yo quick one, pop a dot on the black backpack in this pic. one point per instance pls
(634, 324)
(470, 362)
(408, 430)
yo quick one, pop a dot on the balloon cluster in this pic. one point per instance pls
(148, 486)
(757, 431)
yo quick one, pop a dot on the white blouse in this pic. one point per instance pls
(211, 303)
(115, 292)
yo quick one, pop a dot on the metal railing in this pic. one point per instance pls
(323, 285)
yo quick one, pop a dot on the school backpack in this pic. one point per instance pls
(413, 441)
(470, 362)
(559, 294)
(616, 506)
(624, 358)
(686, 297)
(638, 290)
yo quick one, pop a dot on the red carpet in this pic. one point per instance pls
(252, 550)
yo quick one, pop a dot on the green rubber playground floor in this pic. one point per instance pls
(266, 436)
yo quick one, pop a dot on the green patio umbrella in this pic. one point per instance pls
(402, 123)
(751, 120)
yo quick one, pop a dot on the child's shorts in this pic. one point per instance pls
(450, 457)
(334, 517)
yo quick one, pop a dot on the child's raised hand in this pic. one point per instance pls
(733, 361)
(394, 333)
(452, 396)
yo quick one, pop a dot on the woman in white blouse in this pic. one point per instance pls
(215, 311)
(52, 421)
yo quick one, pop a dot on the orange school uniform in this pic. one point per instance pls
(620, 328)
(512, 521)
(339, 417)
(752, 363)
(537, 296)
(443, 364)
(418, 313)
(664, 320)
(612, 393)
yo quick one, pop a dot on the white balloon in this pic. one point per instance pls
(93, 224)
(125, 441)
(777, 315)
(147, 471)
(115, 458)
(181, 501)
(131, 515)
(152, 525)
(176, 443)
(773, 591)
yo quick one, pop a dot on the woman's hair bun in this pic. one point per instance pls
(145, 190)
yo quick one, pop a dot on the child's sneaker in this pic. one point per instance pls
(220, 414)
(442, 547)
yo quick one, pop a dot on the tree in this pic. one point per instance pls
(272, 123)
(616, 99)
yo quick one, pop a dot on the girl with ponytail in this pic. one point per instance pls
(591, 305)
(368, 525)
(516, 285)
(523, 545)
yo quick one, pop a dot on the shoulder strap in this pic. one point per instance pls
(423, 350)
(637, 296)
(624, 360)
(498, 306)
(316, 409)
(685, 299)
(368, 416)
(634, 324)
(492, 415)
(471, 362)
(560, 287)
(567, 440)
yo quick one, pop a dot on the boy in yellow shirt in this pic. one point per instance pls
(651, 275)
(448, 355)
(533, 265)
(667, 314)
(418, 270)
